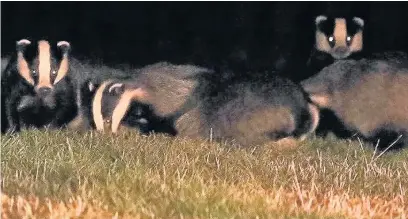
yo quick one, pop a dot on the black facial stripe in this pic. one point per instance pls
(57, 53)
(109, 101)
(352, 27)
(54, 68)
(327, 26)
(30, 52)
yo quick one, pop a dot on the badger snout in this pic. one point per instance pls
(46, 94)
(341, 52)
(44, 91)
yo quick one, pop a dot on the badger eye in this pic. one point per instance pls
(34, 72)
(348, 38)
(54, 72)
(107, 121)
(331, 39)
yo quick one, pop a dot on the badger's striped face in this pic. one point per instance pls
(43, 66)
(339, 37)
(111, 103)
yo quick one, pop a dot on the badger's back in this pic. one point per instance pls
(374, 96)
(250, 112)
(169, 85)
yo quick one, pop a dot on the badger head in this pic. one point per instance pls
(339, 37)
(42, 66)
(114, 101)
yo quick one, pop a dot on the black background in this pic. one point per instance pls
(204, 33)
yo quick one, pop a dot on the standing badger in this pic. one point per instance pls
(336, 38)
(191, 102)
(36, 86)
(368, 96)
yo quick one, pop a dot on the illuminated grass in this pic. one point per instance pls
(134, 176)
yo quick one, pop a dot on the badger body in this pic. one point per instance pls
(189, 101)
(249, 111)
(369, 97)
(37, 89)
(336, 38)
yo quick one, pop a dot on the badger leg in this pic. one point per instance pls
(13, 118)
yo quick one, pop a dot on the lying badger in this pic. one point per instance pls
(188, 101)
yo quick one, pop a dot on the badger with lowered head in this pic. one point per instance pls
(191, 102)
(369, 97)
(37, 90)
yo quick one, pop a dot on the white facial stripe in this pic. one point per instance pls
(340, 32)
(97, 106)
(321, 42)
(23, 68)
(357, 43)
(115, 86)
(44, 64)
(63, 69)
(123, 105)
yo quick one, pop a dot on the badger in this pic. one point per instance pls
(187, 101)
(369, 97)
(37, 89)
(336, 38)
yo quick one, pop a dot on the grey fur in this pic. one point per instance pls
(249, 111)
(368, 96)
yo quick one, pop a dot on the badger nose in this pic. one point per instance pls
(44, 91)
(341, 50)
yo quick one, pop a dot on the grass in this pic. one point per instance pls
(61, 174)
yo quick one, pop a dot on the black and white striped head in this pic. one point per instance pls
(113, 101)
(339, 37)
(43, 66)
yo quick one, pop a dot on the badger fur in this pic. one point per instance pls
(369, 97)
(187, 100)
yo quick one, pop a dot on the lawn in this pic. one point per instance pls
(60, 174)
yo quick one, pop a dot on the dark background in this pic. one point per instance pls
(259, 34)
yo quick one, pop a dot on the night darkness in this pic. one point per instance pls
(204, 33)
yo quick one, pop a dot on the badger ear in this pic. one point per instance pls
(22, 44)
(359, 21)
(319, 19)
(117, 88)
(64, 46)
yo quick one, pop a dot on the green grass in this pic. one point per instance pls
(161, 177)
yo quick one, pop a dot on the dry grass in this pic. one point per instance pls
(72, 175)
